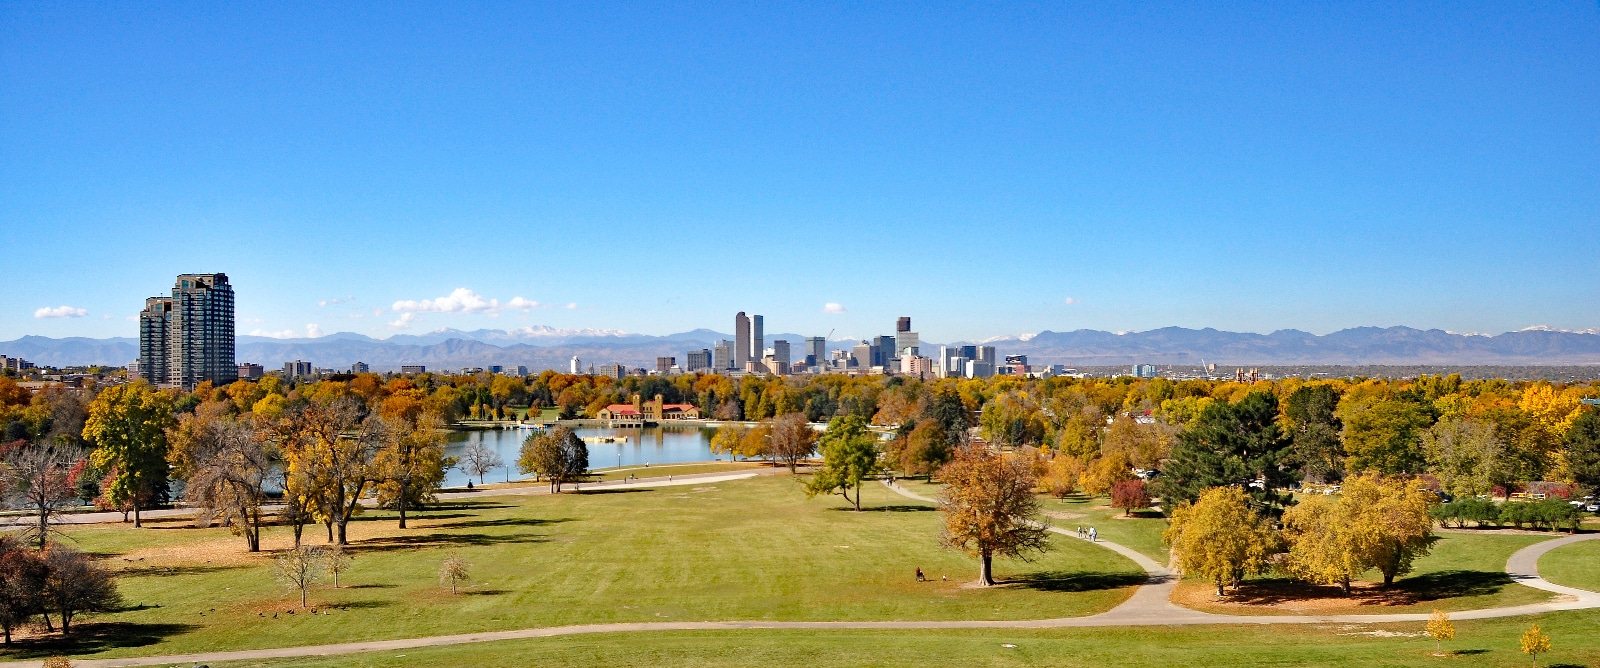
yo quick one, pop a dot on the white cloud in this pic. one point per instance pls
(60, 312)
(1071, 300)
(285, 334)
(522, 304)
(405, 321)
(105, 316)
(335, 300)
(460, 300)
(313, 331)
(833, 307)
(571, 306)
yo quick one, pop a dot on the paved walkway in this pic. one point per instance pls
(1149, 606)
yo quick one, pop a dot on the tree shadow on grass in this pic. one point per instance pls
(370, 586)
(396, 543)
(485, 592)
(1066, 581)
(505, 522)
(631, 490)
(893, 508)
(173, 571)
(90, 637)
(1407, 591)
(1453, 584)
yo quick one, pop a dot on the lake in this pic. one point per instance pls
(653, 445)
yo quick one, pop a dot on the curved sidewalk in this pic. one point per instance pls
(1149, 606)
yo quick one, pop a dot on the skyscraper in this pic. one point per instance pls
(741, 341)
(758, 344)
(698, 359)
(187, 339)
(154, 342)
(903, 324)
(780, 351)
(886, 351)
(722, 358)
(816, 351)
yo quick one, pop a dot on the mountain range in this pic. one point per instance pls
(546, 348)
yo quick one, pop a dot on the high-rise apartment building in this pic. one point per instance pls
(359, 367)
(816, 351)
(665, 364)
(154, 341)
(187, 339)
(698, 360)
(722, 356)
(574, 366)
(741, 340)
(758, 342)
(423, 368)
(297, 369)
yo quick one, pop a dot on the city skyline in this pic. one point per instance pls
(1106, 167)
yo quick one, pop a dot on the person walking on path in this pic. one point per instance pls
(1093, 535)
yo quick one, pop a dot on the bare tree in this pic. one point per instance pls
(75, 584)
(39, 478)
(299, 569)
(454, 571)
(336, 561)
(479, 459)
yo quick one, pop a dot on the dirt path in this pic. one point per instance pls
(1149, 606)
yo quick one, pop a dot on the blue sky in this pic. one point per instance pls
(987, 170)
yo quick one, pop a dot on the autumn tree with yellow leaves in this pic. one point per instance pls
(1375, 522)
(1220, 538)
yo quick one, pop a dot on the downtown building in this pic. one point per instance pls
(187, 338)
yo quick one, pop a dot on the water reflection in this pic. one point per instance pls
(655, 445)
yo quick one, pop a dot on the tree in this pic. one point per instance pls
(128, 425)
(927, 448)
(454, 571)
(336, 561)
(1130, 495)
(792, 440)
(1103, 474)
(1466, 456)
(479, 459)
(1583, 449)
(74, 584)
(1312, 410)
(727, 439)
(1385, 435)
(1061, 475)
(989, 509)
(330, 447)
(1440, 629)
(411, 461)
(1239, 444)
(299, 569)
(558, 455)
(1220, 537)
(849, 456)
(42, 478)
(1534, 643)
(1375, 522)
(226, 465)
(22, 580)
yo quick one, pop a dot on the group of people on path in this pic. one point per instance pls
(1088, 534)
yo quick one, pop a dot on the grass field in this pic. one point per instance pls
(1576, 565)
(1478, 644)
(751, 549)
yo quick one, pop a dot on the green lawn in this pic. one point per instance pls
(1142, 531)
(1478, 644)
(1573, 565)
(750, 549)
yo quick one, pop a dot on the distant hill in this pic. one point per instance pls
(545, 348)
